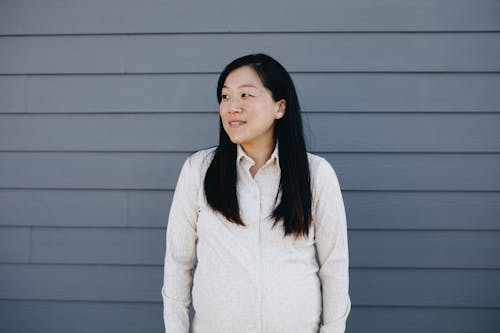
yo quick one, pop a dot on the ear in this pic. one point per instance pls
(281, 109)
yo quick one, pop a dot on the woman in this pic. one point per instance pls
(252, 213)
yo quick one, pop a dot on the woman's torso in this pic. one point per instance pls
(251, 278)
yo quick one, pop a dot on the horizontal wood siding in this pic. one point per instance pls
(101, 102)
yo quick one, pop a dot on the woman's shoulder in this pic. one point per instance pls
(320, 168)
(316, 162)
(202, 158)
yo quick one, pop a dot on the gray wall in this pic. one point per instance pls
(101, 101)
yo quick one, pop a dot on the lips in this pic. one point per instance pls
(236, 123)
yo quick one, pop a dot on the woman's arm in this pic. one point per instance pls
(332, 247)
(180, 254)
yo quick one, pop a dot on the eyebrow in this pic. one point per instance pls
(243, 85)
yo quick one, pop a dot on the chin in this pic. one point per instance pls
(236, 141)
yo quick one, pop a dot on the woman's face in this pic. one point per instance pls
(247, 109)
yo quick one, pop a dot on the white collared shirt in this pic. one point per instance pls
(251, 278)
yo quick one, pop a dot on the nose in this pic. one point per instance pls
(235, 105)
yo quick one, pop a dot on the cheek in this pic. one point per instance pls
(222, 111)
(266, 114)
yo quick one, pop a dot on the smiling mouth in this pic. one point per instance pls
(234, 124)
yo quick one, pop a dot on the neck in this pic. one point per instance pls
(259, 153)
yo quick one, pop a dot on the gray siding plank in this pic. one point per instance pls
(393, 248)
(369, 287)
(424, 249)
(318, 92)
(374, 52)
(84, 283)
(109, 93)
(26, 17)
(423, 210)
(63, 208)
(15, 244)
(91, 170)
(422, 287)
(146, 209)
(398, 92)
(98, 245)
(79, 317)
(149, 209)
(416, 171)
(417, 320)
(84, 208)
(325, 132)
(109, 132)
(371, 171)
(403, 133)
(13, 94)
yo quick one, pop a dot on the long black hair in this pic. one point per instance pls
(295, 184)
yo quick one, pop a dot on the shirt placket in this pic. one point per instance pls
(261, 179)
(255, 224)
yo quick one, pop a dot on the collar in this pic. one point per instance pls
(242, 154)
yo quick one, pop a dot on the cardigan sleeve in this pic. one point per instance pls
(332, 247)
(180, 253)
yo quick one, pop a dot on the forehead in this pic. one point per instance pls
(242, 76)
